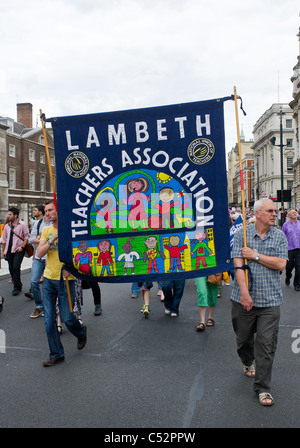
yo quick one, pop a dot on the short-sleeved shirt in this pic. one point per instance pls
(53, 265)
(292, 233)
(265, 289)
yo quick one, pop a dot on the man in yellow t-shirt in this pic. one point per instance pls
(54, 289)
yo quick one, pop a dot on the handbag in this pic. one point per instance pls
(29, 249)
(215, 279)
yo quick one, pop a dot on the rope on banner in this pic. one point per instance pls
(42, 117)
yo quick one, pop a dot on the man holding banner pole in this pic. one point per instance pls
(55, 286)
(257, 309)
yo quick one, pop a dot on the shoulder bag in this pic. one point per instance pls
(29, 249)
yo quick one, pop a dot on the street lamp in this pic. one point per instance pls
(272, 141)
(257, 190)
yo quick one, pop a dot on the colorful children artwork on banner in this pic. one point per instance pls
(142, 194)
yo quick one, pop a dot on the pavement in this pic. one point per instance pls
(156, 373)
(25, 267)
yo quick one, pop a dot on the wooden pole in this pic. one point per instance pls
(241, 176)
(54, 195)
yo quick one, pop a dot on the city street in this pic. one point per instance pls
(142, 373)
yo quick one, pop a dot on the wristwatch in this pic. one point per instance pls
(257, 255)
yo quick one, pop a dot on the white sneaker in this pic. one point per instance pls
(167, 312)
(174, 315)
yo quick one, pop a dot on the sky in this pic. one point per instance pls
(73, 57)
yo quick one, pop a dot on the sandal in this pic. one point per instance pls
(263, 396)
(249, 371)
(200, 327)
(210, 323)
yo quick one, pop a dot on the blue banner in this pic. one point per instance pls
(142, 194)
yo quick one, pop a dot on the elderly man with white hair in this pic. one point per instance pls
(256, 304)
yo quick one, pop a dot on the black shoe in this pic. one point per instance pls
(52, 361)
(287, 282)
(1, 303)
(81, 343)
(297, 288)
(16, 292)
(98, 310)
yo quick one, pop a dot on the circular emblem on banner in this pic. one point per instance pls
(77, 164)
(201, 151)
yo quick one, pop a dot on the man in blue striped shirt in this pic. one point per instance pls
(256, 303)
(291, 229)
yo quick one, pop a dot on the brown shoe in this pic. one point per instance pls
(52, 361)
(81, 343)
(29, 295)
(36, 313)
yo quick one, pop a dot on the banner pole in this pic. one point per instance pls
(48, 159)
(241, 177)
(54, 194)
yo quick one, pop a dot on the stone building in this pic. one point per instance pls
(24, 173)
(267, 179)
(295, 106)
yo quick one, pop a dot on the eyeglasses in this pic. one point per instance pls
(271, 210)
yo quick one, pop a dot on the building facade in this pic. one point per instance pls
(295, 106)
(267, 153)
(233, 173)
(24, 172)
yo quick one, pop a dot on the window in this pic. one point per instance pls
(52, 160)
(43, 182)
(12, 150)
(289, 185)
(31, 155)
(289, 142)
(289, 162)
(12, 178)
(42, 158)
(289, 123)
(54, 181)
(31, 180)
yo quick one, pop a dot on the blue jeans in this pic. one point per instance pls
(135, 288)
(37, 270)
(52, 291)
(173, 291)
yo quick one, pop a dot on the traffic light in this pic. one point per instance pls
(286, 196)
